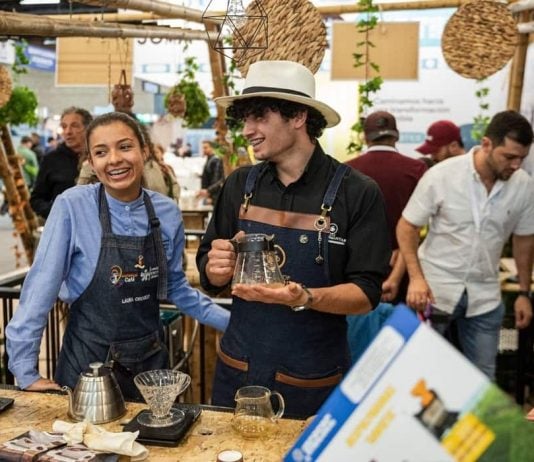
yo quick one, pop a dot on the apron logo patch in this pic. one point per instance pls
(333, 238)
(149, 274)
(118, 277)
(140, 262)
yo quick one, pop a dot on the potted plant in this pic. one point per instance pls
(186, 99)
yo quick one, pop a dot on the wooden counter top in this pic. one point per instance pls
(210, 434)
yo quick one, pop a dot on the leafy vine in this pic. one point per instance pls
(22, 104)
(481, 121)
(196, 103)
(234, 136)
(361, 58)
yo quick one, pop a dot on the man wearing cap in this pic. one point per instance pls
(473, 203)
(330, 230)
(397, 175)
(443, 140)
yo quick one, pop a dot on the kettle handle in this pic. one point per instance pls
(281, 405)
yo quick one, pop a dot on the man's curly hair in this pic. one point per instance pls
(258, 106)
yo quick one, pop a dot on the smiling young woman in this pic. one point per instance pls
(117, 153)
(112, 250)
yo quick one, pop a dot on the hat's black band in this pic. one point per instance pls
(249, 90)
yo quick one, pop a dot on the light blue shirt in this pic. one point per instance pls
(66, 260)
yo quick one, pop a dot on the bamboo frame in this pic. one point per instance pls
(43, 26)
(18, 196)
(152, 6)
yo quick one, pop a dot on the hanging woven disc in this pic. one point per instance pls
(6, 86)
(296, 32)
(479, 39)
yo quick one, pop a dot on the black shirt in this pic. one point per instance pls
(57, 172)
(359, 248)
(212, 176)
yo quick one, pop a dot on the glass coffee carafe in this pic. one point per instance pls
(253, 415)
(256, 261)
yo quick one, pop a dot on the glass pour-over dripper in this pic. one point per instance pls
(160, 388)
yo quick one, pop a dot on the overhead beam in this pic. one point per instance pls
(108, 17)
(42, 26)
(417, 5)
(167, 10)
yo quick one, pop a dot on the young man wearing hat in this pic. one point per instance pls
(473, 203)
(443, 140)
(330, 230)
(396, 175)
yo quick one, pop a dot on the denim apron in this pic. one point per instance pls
(303, 355)
(117, 316)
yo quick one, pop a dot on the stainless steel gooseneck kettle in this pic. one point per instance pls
(97, 397)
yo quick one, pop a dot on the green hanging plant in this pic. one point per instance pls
(370, 85)
(481, 121)
(234, 136)
(21, 107)
(196, 103)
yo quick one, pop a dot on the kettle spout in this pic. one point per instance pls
(72, 413)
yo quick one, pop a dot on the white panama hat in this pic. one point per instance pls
(286, 80)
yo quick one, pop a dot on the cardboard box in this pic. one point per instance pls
(413, 397)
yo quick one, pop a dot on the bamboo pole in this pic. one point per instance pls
(517, 69)
(329, 10)
(152, 6)
(34, 25)
(24, 193)
(12, 177)
(108, 17)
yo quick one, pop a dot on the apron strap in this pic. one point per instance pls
(330, 196)
(161, 258)
(103, 211)
(250, 184)
(331, 192)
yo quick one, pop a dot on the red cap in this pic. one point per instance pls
(439, 134)
(379, 124)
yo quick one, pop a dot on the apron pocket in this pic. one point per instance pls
(230, 375)
(304, 395)
(231, 362)
(141, 354)
(134, 356)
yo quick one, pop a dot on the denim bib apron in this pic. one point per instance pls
(117, 316)
(303, 355)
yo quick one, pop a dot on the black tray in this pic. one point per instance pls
(165, 436)
(5, 403)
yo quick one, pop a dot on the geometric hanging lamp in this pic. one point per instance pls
(224, 34)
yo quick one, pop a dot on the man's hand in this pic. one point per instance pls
(523, 312)
(221, 261)
(419, 294)
(43, 385)
(390, 289)
(291, 294)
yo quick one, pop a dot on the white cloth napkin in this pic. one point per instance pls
(98, 439)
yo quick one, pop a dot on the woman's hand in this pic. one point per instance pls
(43, 384)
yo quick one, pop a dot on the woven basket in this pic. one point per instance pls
(296, 32)
(479, 39)
(6, 85)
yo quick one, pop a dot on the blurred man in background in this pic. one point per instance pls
(443, 140)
